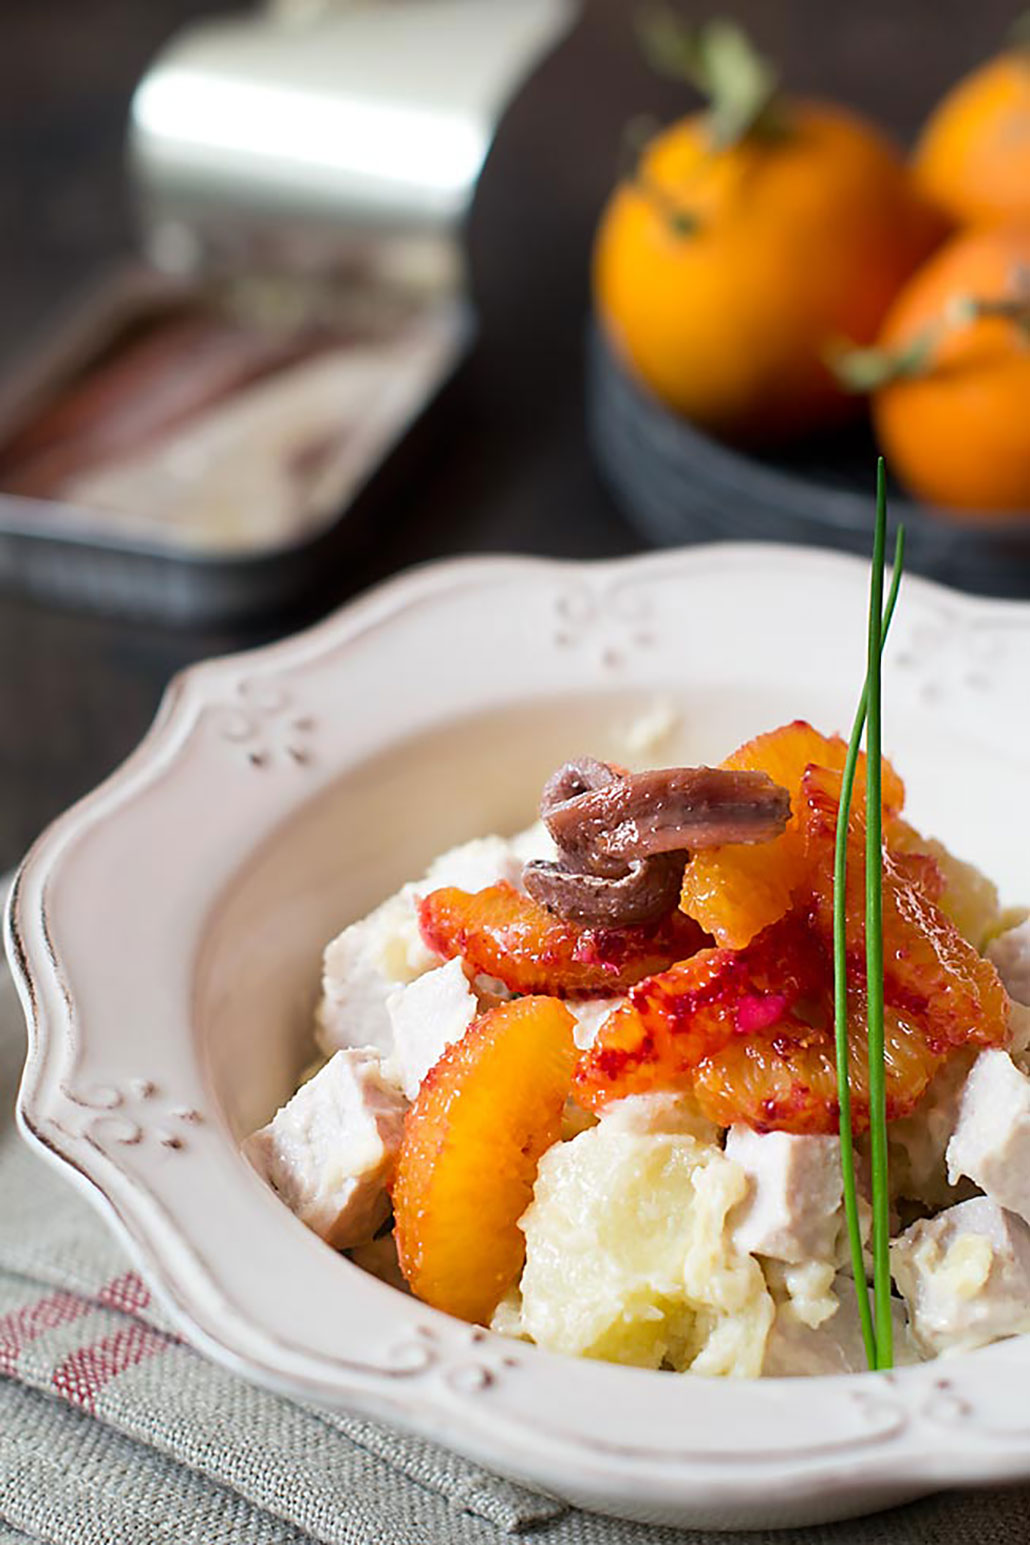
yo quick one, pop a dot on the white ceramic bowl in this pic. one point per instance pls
(166, 936)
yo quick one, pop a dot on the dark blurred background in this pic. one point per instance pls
(507, 469)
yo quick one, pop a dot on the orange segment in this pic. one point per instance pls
(775, 1082)
(751, 1032)
(930, 970)
(675, 1021)
(961, 891)
(472, 1141)
(735, 892)
(504, 934)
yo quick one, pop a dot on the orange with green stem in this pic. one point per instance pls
(748, 236)
(950, 375)
(973, 159)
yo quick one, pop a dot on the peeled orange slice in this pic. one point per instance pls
(484, 1115)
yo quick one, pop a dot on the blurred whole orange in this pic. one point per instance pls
(973, 159)
(953, 417)
(723, 275)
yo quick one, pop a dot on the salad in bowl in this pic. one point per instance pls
(580, 1085)
(510, 1201)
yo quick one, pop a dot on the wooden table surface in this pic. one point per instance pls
(510, 471)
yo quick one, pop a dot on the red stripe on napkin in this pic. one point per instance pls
(129, 1293)
(20, 1326)
(83, 1374)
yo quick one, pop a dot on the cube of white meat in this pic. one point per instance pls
(835, 1345)
(991, 1141)
(662, 1112)
(362, 966)
(918, 1143)
(1010, 955)
(371, 958)
(792, 1211)
(428, 1016)
(589, 1014)
(965, 1276)
(330, 1151)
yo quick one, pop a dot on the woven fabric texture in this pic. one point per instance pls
(115, 1432)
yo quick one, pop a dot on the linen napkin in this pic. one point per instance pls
(114, 1432)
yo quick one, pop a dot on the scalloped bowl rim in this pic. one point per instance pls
(627, 1441)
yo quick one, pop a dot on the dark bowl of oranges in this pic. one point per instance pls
(780, 296)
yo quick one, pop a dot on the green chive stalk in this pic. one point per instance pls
(869, 1330)
(874, 947)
